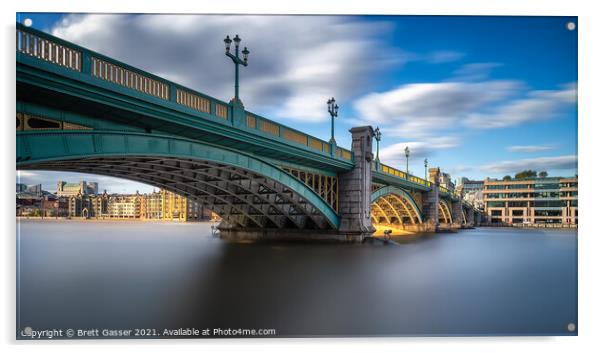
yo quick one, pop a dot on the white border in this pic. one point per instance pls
(589, 144)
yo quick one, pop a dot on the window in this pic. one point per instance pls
(549, 203)
(517, 220)
(496, 204)
(543, 213)
(518, 204)
(517, 212)
(496, 187)
(496, 212)
(518, 186)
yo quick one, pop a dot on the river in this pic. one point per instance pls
(124, 275)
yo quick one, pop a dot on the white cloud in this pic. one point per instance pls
(536, 106)
(421, 108)
(443, 56)
(529, 149)
(568, 162)
(296, 62)
(475, 71)
(394, 154)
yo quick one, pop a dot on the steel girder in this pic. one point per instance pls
(244, 191)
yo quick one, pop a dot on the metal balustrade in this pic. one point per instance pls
(113, 73)
(193, 101)
(383, 168)
(47, 50)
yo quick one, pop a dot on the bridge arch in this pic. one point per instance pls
(444, 212)
(394, 205)
(244, 190)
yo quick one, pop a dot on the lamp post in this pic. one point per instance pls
(426, 163)
(377, 135)
(237, 61)
(333, 109)
(407, 151)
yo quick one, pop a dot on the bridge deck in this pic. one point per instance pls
(59, 79)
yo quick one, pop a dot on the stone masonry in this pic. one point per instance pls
(355, 187)
(430, 201)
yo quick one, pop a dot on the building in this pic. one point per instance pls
(532, 200)
(152, 206)
(473, 191)
(446, 181)
(88, 206)
(125, 206)
(73, 189)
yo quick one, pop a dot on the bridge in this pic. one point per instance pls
(81, 111)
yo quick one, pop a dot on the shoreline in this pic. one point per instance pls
(117, 220)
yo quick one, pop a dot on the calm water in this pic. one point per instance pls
(166, 275)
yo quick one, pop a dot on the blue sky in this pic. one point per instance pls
(478, 96)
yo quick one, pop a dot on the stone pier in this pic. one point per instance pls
(355, 188)
(470, 217)
(430, 202)
(456, 211)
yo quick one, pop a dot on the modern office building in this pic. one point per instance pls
(532, 200)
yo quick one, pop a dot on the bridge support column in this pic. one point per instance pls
(456, 211)
(478, 218)
(430, 201)
(470, 217)
(355, 188)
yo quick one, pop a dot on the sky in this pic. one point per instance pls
(481, 96)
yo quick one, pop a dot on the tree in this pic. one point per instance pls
(506, 178)
(543, 174)
(526, 174)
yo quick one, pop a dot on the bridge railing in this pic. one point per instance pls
(383, 168)
(53, 50)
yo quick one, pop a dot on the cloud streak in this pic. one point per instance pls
(536, 106)
(529, 149)
(568, 162)
(421, 108)
(296, 62)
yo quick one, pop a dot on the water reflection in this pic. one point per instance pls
(162, 275)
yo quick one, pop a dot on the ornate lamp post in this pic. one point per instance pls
(407, 152)
(237, 61)
(333, 109)
(377, 135)
(426, 163)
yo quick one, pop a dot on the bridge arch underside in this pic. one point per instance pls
(444, 212)
(395, 209)
(262, 197)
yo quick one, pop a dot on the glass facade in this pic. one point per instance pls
(549, 203)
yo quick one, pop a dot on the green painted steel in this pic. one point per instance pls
(399, 192)
(42, 146)
(33, 70)
(388, 179)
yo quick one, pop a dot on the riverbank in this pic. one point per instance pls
(533, 225)
(91, 220)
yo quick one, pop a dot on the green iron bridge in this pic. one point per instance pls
(81, 111)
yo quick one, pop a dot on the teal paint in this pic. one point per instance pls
(41, 146)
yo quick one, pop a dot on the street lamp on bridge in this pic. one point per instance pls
(333, 109)
(237, 61)
(426, 164)
(407, 151)
(377, 135)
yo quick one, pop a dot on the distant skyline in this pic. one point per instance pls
(478, 96)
